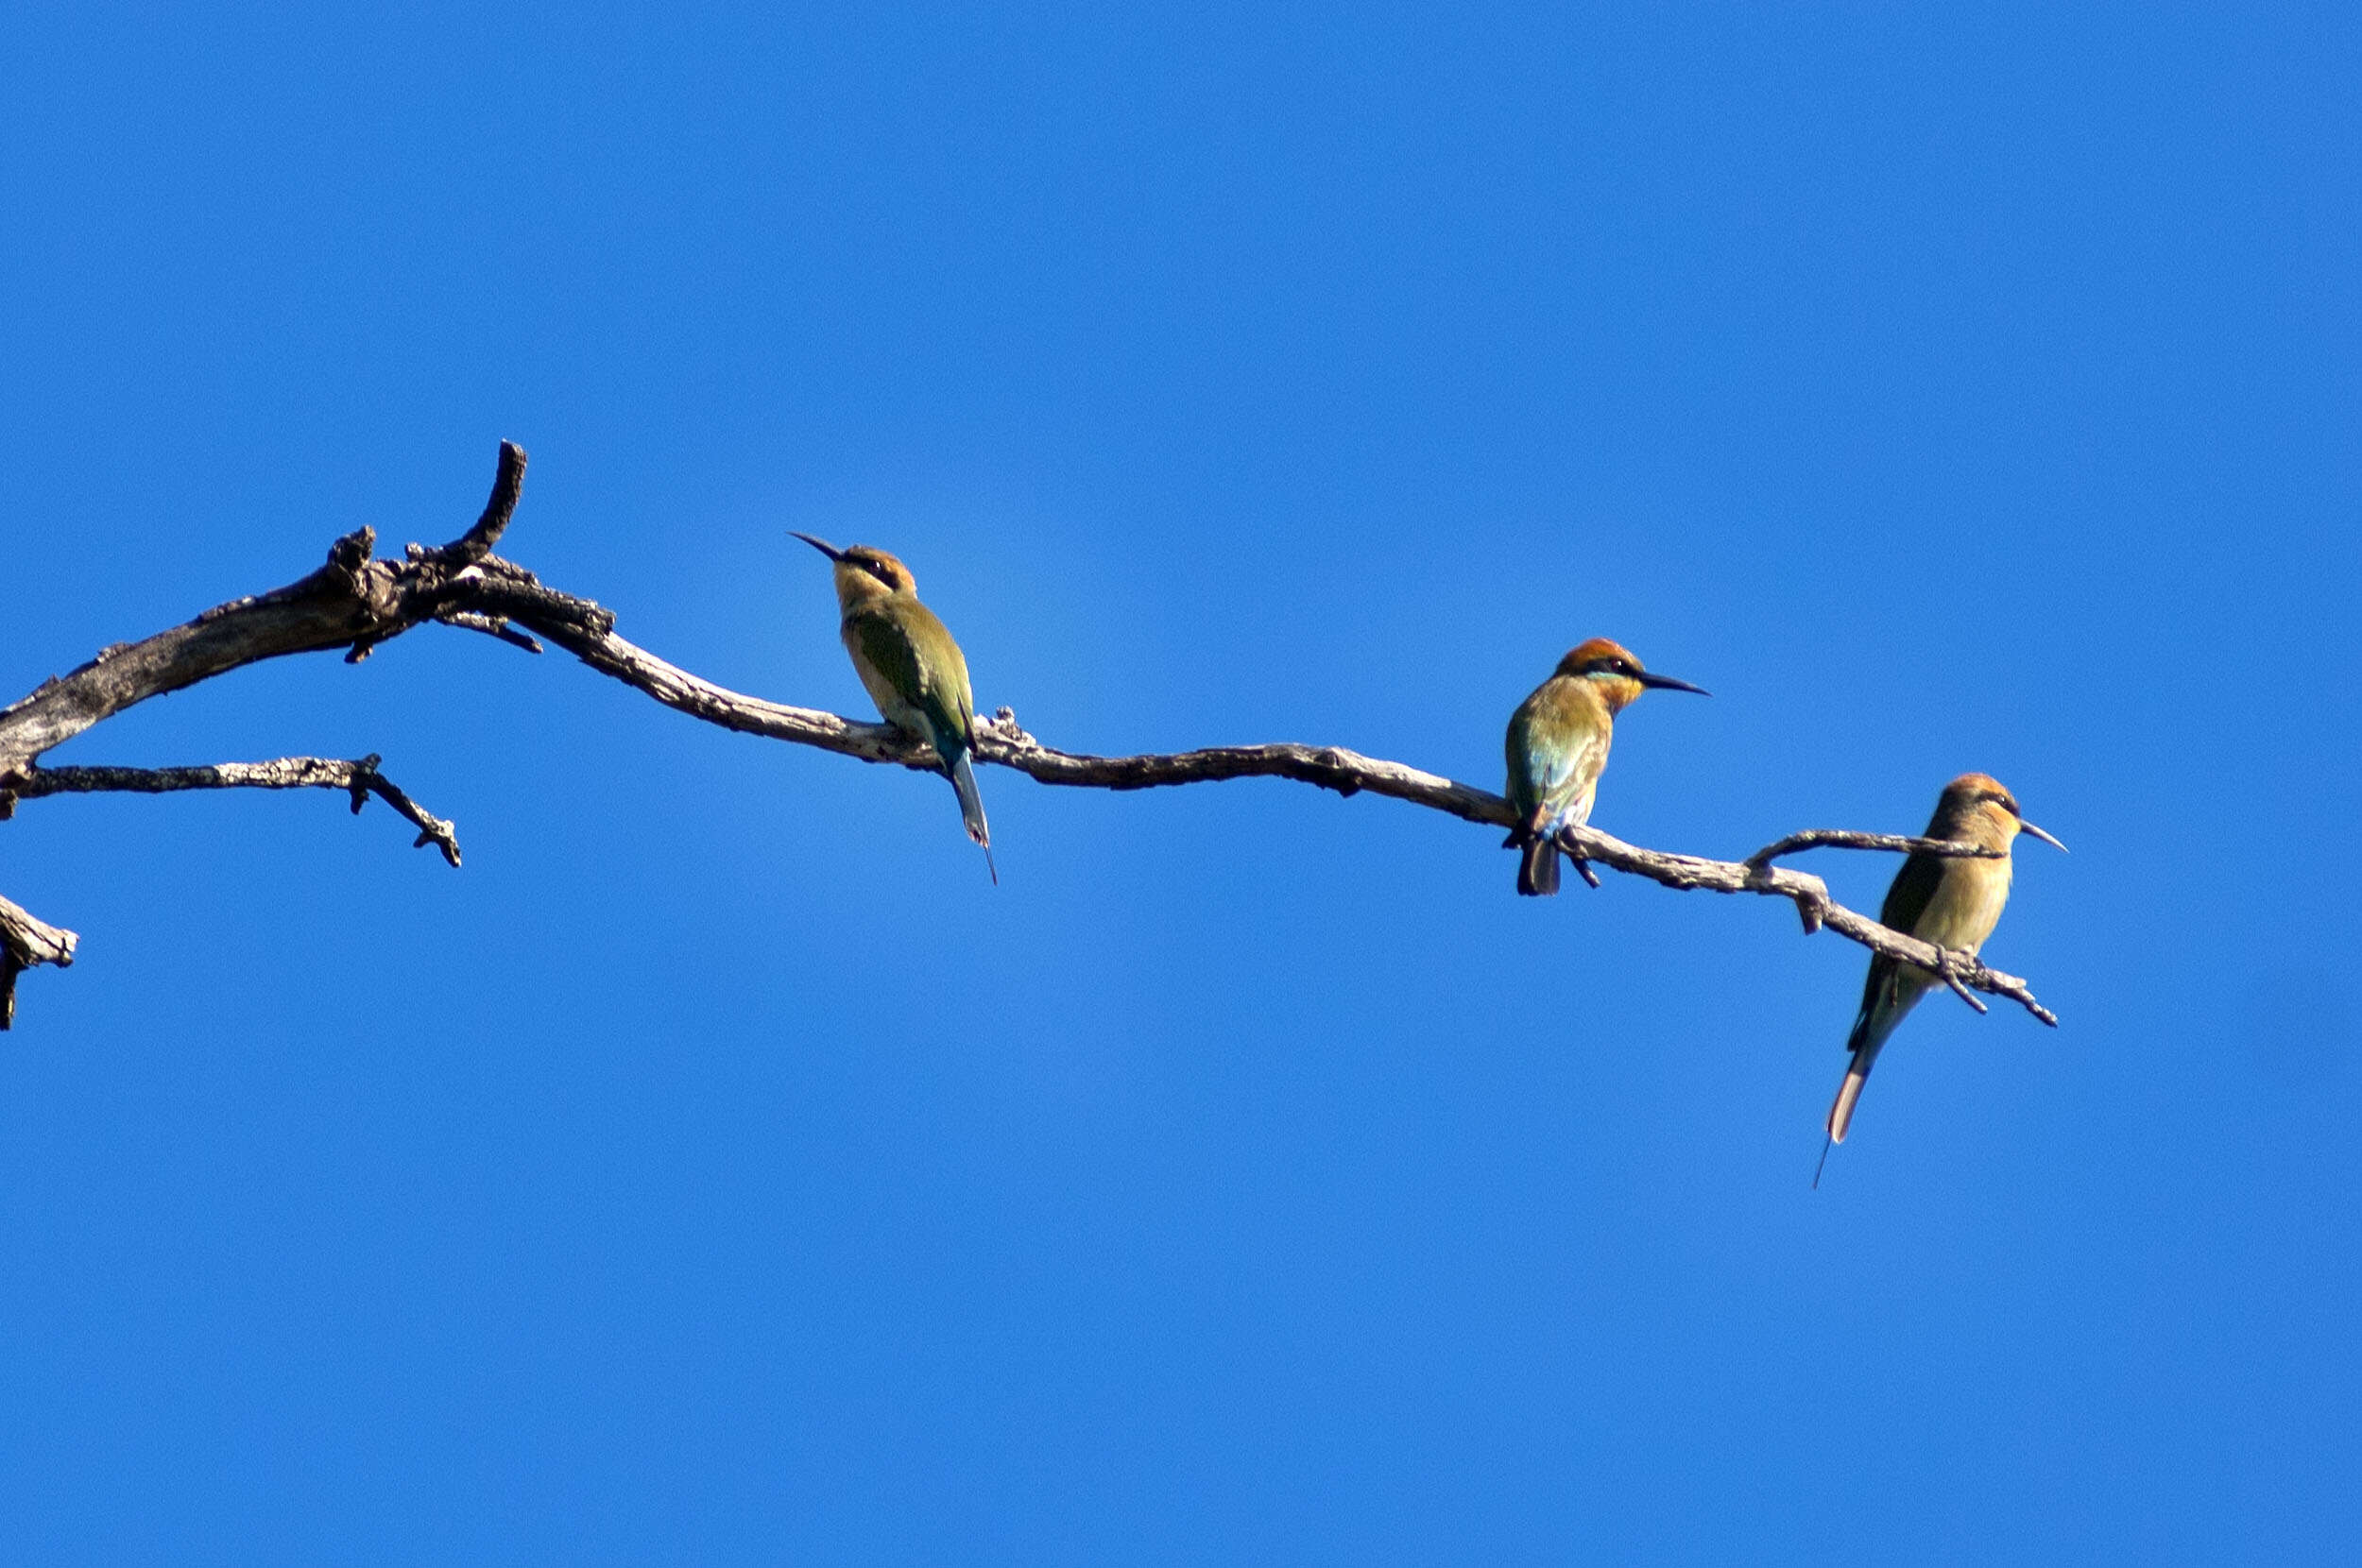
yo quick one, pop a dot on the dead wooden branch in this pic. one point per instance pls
(358, 779)
(355, 602)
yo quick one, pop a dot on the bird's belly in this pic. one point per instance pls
(1966, 906)
(901, 715)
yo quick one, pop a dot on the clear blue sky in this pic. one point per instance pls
(717, 1169)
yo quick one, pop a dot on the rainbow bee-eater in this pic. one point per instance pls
(1951, 900)
(1557, 746)
(914, 670)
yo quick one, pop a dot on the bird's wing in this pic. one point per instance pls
(1517, 751)
(1550, 764)
(1915, 889)
(889, 642)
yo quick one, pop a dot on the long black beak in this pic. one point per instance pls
(1667, 683)
(822, 546)
(2025, 827)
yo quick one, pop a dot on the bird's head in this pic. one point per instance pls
(1978, 809)
(864, 571)
(1616, 673)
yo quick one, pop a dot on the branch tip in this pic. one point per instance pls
(1952, 979)
(508, 482)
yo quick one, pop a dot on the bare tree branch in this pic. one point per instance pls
(352, 602)
(1002, 741)
(355, 602)
(358, 779)
(1810, 895)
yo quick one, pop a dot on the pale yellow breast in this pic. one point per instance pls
(1967, 904)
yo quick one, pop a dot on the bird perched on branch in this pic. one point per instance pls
(915, 672)
(1951, 900)
(1557, 746)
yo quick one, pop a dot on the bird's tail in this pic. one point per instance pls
(1881, 1010)
(1537, 872)
(971, 804)
(1884, 1008)
(1849, 1093)
(1841, 1111)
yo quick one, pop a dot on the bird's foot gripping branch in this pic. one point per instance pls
(355, 603)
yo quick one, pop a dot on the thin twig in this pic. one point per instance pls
(1841, 838)
(1952, 979)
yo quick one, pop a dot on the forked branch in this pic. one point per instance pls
(355, 603)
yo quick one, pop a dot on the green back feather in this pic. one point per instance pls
(903, 641)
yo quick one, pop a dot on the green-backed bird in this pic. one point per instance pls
(915, 672)
(1951, 900)
(1557, 746)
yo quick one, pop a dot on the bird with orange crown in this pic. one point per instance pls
(1557, 747)
(1951, 900)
